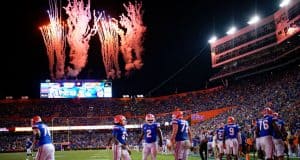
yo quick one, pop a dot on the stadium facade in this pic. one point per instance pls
(269, 43)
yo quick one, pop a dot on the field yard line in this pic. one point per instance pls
(97, 156)
(59, 155)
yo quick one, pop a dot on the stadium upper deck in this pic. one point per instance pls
(274, 37)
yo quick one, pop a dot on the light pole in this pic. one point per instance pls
(52, 130)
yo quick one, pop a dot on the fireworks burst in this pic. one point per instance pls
(108, 35)
(125, 36)
(79, 34)
(131, 40)
(55, 41)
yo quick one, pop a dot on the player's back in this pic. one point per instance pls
(265, 126)
(231, 131)
(220, 134)
(183, 127)
(45, 135)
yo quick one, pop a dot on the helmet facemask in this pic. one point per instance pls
(150, 118)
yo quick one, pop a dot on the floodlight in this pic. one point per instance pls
(212, 39)
(231, 30)
(284, 3)
(254, 19)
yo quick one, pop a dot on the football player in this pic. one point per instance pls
(166, 142)
(265, 128)
(232, 138)
(42, 139)
(181, 136)
(220, 139)
(150, 131)
(28, 147)
(278, 137)
(119, 136)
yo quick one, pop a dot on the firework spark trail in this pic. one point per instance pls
(108, 35)
(131, 41)
(135, 14)
(79, 34)
(55, 41)
(126, 40)
(46, 32)
(59, 40)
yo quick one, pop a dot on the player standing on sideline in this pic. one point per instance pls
(220, 139)
(203, 144)
(265, 128)
(181, 136)
(28, 147)
(166, 141)
(210, 150)
(42, 139)
(258, 151)
(232, 138)
(119, 136)
(150, 131)
(279, 137)
(249, 140)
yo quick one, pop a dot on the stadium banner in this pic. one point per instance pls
(206, 115)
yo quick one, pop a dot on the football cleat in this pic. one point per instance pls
(149, 118)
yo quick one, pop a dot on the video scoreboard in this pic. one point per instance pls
(76, 89)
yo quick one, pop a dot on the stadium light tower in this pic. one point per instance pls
(212, 39)
(232, 30)
(254, 20)
(284, 3)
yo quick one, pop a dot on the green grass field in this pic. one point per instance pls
(84, 155)
(89, 155)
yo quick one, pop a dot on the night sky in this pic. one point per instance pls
(176, 56)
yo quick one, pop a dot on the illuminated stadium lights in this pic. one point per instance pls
(4, 130)
(212, 39)
(66, 128)
(9, 97)
(24, 97)
(284, 3)
(254, 20)
(232, 30)
(140, 96)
